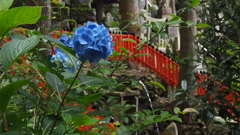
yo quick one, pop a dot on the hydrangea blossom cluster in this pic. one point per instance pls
(60, 56)
(91, 42)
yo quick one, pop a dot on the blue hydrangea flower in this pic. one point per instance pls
(61, 57)
(92, 42)
(66, 40)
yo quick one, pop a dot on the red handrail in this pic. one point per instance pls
(158, 62)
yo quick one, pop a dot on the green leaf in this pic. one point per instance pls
(105, 70)
(184, 85)
(17, 36)
(147, 54)
(31, 97)
(16, 48)
(188, 110)
(5, 5)
(176, 110)
(157, 26)
(44, 17)
(48, 121)
(174, 22)
(194, 3)
(13, 133)
(7, 92)
(146, 25)
(129, 39)
(190, 23)
(158, 84)
(83, 120)
(63, 47)
(176, 118)
(202, 25)
(70, 20)
(67, 118)
(16, 16)
(88, 99)
(133, 22)
(163, 34)
(123, 49)
(93, 79)
(55, 82)
(18, 120)
(90, 80)
(61, 130)
(114, 24)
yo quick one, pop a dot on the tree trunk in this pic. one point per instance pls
(159, 11)
(187, 36)
(99, 11)
(45, 25)
(126, 7)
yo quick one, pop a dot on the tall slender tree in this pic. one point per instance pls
(129, 12)
(187, 37)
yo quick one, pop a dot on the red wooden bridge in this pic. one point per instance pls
(157, 62)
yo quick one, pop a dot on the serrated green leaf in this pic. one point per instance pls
(7, 92)
(55, 82)
(14, 49)
(158, 84)
(16, 16)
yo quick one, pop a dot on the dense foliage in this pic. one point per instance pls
(219, 49)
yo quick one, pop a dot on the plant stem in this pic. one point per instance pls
(4, 122)
(64, 97)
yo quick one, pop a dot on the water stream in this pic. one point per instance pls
(150, 101)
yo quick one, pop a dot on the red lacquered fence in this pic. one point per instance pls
(157, 62)
(230, 98)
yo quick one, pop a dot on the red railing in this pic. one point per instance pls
(158, 62)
